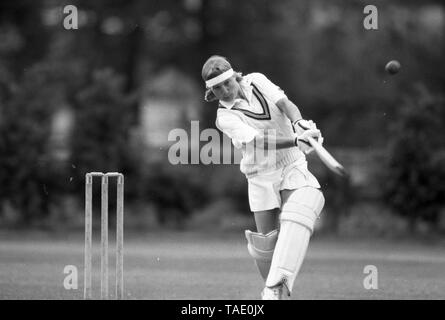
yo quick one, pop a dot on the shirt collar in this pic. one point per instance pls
(247, 89)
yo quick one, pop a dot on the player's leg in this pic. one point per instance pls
(300, 210)
(265, 203)
(267, 220)
(261, 244)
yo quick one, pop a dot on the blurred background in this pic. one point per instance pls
(104, 97)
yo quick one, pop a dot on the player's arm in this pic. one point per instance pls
(277, 96)
(289, 109)
(243, 134)
(299, 124)
(265, 141)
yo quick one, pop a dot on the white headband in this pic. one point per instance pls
(222, 77)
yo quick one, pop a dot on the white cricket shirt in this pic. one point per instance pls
(242, 120)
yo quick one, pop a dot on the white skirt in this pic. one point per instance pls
(264, 189)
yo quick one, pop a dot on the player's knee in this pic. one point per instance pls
(303, 206)
(261, 246)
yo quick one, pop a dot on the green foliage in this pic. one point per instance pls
(414, 184)
(100, 138)
(176, 191)
(28, 176)
(227, 182)
(339, 197)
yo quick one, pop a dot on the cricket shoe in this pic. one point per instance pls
(278, 292)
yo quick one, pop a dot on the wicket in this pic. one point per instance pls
(104, 234)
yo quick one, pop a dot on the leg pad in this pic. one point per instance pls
(297, 221)
(261, 248)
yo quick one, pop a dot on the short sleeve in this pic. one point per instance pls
(271, 90)
(234, 127)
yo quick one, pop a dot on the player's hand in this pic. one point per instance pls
(314, 133)
(302, 142)
(303, 125)
(303, 129)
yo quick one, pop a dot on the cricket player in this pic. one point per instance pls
(284, 196)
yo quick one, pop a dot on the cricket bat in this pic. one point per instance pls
(327, 158)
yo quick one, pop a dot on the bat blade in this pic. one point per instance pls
(327, 158)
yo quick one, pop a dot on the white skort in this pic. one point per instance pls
(264, 189)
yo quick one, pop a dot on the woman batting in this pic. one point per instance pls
(284, 196)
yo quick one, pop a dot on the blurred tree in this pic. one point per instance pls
(30, 181)
(23, 37)
(339, 197)
(175, 191)
(101, 136)
(416, 170)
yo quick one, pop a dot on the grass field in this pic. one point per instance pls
(186, 265)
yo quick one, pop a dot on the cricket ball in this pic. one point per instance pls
(392, 67)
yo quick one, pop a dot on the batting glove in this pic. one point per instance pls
(302, 125)
(302, 142)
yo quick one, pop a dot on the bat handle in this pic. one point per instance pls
(312, 141)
